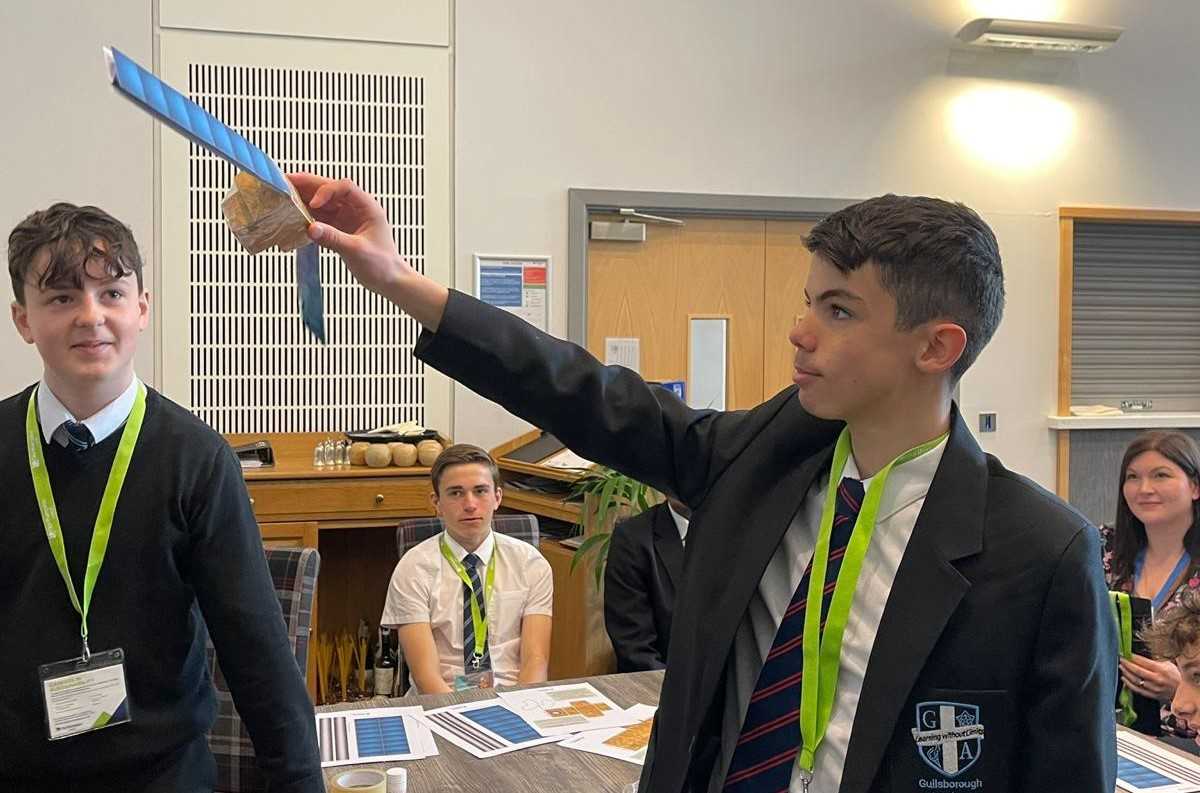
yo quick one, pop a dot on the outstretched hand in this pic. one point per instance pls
(353, 224)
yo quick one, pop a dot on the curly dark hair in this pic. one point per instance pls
(1129, 533)
(939, 260)
(77, 238)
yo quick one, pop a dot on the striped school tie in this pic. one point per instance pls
(470, 561)
(770, 738)
(79, 437)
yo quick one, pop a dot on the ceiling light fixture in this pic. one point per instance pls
(1061, 37)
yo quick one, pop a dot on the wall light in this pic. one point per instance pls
(1064, 37)
(1011, 128)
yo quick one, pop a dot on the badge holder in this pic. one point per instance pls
(84, 694)
(474, 677)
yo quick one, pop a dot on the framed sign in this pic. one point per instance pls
(518, 284)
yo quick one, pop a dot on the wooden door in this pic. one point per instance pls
(787, 263)
(710, 267)
(750, 271)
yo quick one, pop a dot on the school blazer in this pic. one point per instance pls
(997, 631)
(643, 570)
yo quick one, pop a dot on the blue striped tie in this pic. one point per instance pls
(474, 591)
(770, 737)
(79, 437)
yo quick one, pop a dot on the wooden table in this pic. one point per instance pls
(548, 768)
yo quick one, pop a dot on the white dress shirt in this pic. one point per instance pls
(425, 589)
(681, 524)
(899, 508)
(52, 413)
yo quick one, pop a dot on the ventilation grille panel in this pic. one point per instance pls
(253, 366)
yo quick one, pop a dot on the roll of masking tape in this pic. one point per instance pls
(361, 781)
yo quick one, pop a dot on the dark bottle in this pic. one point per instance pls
(385, 665)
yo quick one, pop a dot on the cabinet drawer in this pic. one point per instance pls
(359, 497)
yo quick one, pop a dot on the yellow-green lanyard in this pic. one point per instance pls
(1122, 612)
(477, 619)
(108, 504)
(823, 649)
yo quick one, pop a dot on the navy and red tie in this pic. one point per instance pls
(770, 738)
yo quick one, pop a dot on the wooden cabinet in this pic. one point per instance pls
(347, 513)
(579, 645)
(289, 535)
(367, 496)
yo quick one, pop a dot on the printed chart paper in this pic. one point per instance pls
(1145, 766)
(567, 459)
(623, 743)
(375, 735)
(562, 710)
(484, 729)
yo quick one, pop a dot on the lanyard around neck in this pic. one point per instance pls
(478, 610)
(1165, 590)
(104, 517)
(823, 649)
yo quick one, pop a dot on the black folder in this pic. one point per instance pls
(537, 450)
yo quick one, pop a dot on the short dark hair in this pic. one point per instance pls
(1129, 533)
(462, 454)
(70, 233)
(939, 260)
(1177, 632)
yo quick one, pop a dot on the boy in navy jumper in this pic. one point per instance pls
(182, 544)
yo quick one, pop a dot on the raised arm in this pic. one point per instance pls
(606, 413)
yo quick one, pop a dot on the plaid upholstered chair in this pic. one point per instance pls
(294, 571)
(412, 532)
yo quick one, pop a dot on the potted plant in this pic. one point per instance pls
(608, 496)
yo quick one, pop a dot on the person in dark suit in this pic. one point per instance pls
(644, 568)
(964, 639)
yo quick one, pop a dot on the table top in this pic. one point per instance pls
(294, 459)
(548, 768)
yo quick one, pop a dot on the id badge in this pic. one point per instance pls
(481, 679)
(84, 696)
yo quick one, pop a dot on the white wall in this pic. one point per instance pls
(67, 137)
(781, 97)
(851, 99)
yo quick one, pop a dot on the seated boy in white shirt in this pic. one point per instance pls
(494, 630)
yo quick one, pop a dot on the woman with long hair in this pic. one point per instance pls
(1153, 551)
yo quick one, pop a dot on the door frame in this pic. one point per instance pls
(581, 202)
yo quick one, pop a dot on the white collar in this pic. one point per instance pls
(907, 483)
(484, 551)
(681, 523)
(52, 413)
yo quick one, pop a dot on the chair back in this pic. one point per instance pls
(414, 531)
(294, 573)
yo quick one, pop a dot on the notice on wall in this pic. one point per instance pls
(625, 352)
(519, 285)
